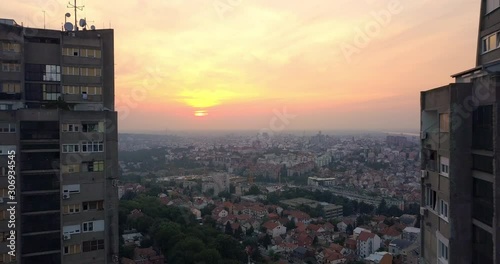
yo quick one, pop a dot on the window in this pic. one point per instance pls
(482, 163)
(444, 123)
(71, 188)
(93, 245)
(71, 128)
(95, 205)
(430, 198)
(490, 42)
(92, 90)
(482, 127)
(6, 258)
(7, 128)
(492, 5)
(51, 92)
(11, 88)
(88, 226)
(72, 249)
(4, 236)
(71, 209)
(42, 72)
(70, 148)
(11, 67)
(71, 89)
(90, 127)
(88, 146)
(71, 229)
(4, 192)
(12, 47)
(442, 251)
(93, 226)
(4, 215)
(443, 209)
(94, 166)
(71, 71)
(482, 246)
(482, 201)
(444, 166)
(95, 72)
(70, 168)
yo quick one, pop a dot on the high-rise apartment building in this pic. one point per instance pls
(460, 145)
(57, 122)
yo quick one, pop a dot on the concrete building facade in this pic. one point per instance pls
(460, 140)
(57, 116)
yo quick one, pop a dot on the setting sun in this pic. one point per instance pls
(200, 113)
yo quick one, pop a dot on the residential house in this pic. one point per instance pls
(379, 258)
(274, 228)
(367, 243)
(411, 233)
(398, 245)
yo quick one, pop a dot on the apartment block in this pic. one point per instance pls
(57, 114)
(460, 139)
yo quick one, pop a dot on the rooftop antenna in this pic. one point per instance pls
(76, 7)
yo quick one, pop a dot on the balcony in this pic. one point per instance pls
(482, 210)
(40, 223)
(40, 182)
(41, 243)
(41, 202)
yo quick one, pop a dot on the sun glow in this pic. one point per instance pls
(200, 113)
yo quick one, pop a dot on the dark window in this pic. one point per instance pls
(482, 246)
(482, 163)
(93, 245)
(42, 72)
(482, 128)
(42, 92)
(482, 208)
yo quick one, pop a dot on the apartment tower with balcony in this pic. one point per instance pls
(57, 114)
(460, 144)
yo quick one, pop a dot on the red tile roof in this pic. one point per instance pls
(364, 236)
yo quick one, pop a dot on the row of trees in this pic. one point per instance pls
(178, 235)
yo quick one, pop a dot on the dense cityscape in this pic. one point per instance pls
(319, 199)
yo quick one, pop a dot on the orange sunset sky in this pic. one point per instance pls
(230, 64)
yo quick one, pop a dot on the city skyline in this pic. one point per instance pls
(238, 62)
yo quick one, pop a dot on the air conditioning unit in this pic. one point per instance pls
(424, 174)
(423, 211)
(65, 196)
(423, 135)
(66, 237)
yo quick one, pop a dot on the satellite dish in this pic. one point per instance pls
(83, 22)
(92, 27)
(68, 26)
(68, 15)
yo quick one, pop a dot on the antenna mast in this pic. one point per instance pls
(76, 7)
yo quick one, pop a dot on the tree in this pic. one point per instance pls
(238, 232)
(254, 190)
(349, 229)
(382, 207)
(208, 256)
(315, 241)
(266, 241)
(229, 229)
(249, 231)
(290, 225)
